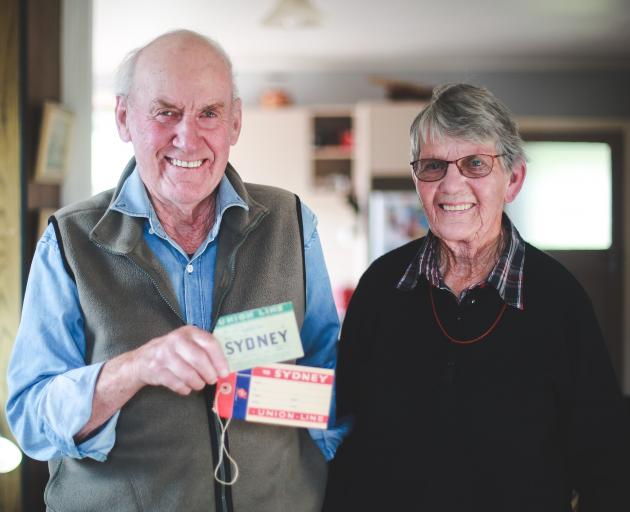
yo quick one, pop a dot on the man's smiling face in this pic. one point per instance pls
(181, 120)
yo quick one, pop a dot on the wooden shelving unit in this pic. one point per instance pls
(333, 148)
(332, 152)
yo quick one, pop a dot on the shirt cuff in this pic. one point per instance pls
(67, 406)
(329, 440)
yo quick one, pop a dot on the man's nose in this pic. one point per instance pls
(187, 136)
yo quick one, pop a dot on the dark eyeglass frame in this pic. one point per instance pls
(415, 167)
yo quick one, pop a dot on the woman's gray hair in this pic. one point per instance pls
(123, 81)
(471, 113)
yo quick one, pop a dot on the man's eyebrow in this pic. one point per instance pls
(213, 106)
(161, 103)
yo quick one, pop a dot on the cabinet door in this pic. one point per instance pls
(274, 148)
(385, 130)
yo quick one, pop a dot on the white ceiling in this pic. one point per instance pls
(373, 35)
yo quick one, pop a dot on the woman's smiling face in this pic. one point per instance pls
(467, 210)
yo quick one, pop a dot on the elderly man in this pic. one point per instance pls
(112, 372)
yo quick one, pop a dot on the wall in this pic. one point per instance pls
(10, 214)
(76, 94)
(528, 93)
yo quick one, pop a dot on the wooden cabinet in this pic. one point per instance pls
(308, 151)
(333, 148)
(300, 149)
(332, 157)
(274, 148)
(384, 136)
(382, 152)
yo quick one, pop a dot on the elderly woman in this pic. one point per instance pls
(472, 362)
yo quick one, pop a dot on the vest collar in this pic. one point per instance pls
(123, 234)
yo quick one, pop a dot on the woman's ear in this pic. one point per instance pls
(517, 177)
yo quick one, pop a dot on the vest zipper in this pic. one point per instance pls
(251, 227)
(224, 492)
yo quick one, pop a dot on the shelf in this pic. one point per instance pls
(331, 130)
(333, 149)
(332, 152)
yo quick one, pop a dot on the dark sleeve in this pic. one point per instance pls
(354, 351)
(352, 366)
(599, 422)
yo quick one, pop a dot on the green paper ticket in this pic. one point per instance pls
(259, 336)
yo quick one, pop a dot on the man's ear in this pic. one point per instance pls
(235, 121)
(517, 177)
(121, 118)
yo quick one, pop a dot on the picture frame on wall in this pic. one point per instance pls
(54, 144)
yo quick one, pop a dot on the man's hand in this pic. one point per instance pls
(185, 359)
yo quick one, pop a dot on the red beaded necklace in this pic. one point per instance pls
(464, 342)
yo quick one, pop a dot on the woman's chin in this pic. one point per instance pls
(456, 233)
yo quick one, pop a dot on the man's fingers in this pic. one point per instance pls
(197, 357)
(174, 383)
(214, 351)
(161, 361)
(185, 359)
(181, 370)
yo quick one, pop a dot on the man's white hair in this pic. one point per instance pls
(126, 70)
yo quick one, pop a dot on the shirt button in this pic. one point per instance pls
(189, 269)
(151, 232)
(472, 301)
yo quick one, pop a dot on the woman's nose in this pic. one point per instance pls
(453, 179)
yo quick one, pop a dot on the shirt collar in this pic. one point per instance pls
(506, 276)
(133, 200)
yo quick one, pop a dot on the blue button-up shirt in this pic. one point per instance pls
(51, 388)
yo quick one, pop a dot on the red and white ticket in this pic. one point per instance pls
(279, 394)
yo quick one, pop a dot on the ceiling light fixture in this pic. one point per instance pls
(293, 14)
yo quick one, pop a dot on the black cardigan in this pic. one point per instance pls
(514, 422)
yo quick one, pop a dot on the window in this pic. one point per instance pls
(109, 153)
(566, 200)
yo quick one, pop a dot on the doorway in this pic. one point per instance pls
(588, 217)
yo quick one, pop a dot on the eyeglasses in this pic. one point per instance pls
(471, 166)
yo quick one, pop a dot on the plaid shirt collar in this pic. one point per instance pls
(506, 276)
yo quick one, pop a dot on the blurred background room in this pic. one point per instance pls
(329, 90)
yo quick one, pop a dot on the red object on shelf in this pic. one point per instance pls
(346, 138)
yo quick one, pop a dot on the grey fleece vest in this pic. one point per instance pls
(163, 457)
